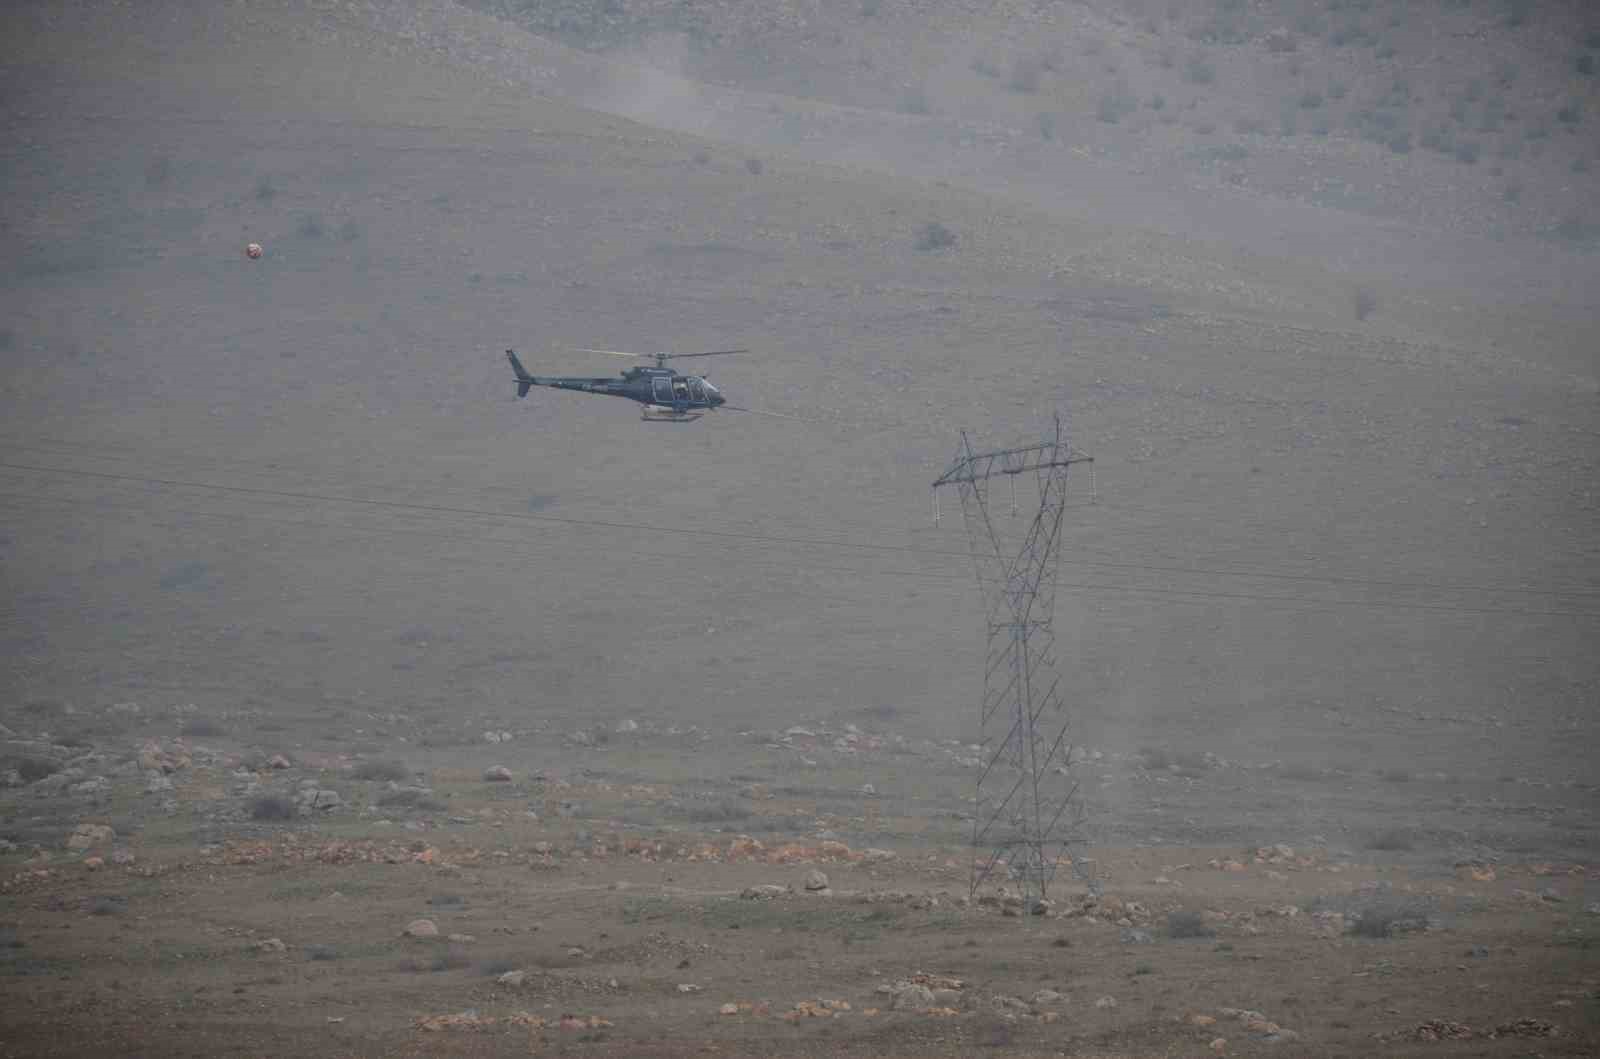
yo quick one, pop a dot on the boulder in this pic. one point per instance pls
(421, 928)
(497, 774)
(87, 836)
(911, 997)
(816, 881)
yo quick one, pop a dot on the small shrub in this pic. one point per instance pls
(1400, 143)
(265, 189)
(1516, 13)
(1111, 108)
(1338, 90)
(1391, 840)
(321, 952)
(915, 102)
(350, 231)
(1580, 164)
(1310, 100)
(1187, 924)
(1025, 76)
(204, 728)
(33, 769)
(935, 236)
(720, 813)
(1373, 923)
(984, 68)
(1199, 72)
(271, 807)
(1143, 969)
(410, 799)
(381, 770)
(108, 905)
(1584, 64)
(1249, 126)
(701, 157)
(1467, 152)
(1205, 128)
(1512, 192)
(1569, 114)
(753, 166)
(1365, 303)
(1157, 101)
(1047, 125)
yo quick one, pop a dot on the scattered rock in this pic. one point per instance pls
(1132, 936)
(94, 863)
(763, 892)
(625, 726)
(270, 945)
(1046, 997)
(497, 774)
(157, 783)
(1106, 1003)
(875, 856)
(512, 979)
(497, 737)
(728, 1009)
(92, 785)
(1219, 1046)
(1202, 1020)
(910, 996)
(278, 761)
(87, 836)
(688, 987)
(421, 928)
(816, 881)
(121, 857)
(462, 939)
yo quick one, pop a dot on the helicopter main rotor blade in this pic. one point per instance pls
(668, 356)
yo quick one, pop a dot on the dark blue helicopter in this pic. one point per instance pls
(667, 396)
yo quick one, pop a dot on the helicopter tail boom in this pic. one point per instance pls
(524, 380)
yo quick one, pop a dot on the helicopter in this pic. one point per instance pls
(666, 395)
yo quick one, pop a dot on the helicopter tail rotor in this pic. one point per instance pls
(524, 380)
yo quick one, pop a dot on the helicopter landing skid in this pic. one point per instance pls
(654, 414)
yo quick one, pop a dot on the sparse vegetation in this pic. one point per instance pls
(310, 226)
(265, 190)
(753, 166)
(203, 728)
(381, 770)
(1187, 924)
(1366, 302)
(411, 798)
(1199, 71)
(271, 807)
(934, 236)
(1391, 840)
(1374, 923)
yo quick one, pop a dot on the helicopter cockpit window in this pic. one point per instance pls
(697, 388)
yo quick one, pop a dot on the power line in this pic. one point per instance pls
(1580, 595)
(1300, 603)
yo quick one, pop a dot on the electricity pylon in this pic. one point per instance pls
(1027, 808)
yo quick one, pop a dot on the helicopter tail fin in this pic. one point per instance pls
(524, 380)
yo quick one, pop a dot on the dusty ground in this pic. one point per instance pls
(606, 904)
(1336, 591)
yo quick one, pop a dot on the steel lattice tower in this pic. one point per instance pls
(1027, 809)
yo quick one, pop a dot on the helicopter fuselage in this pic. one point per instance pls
(665, 394)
